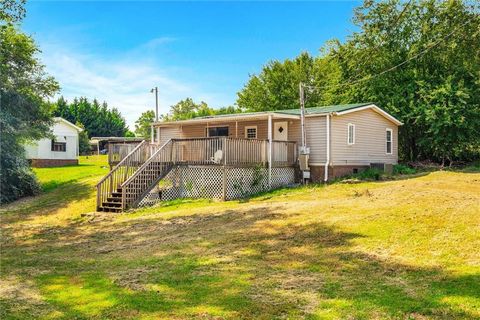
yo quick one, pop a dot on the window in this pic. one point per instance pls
(251, 132)
(389, 140)
(351, 134)
(217, 132)
(59, 146)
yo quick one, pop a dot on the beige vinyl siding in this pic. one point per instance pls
(170, 133)
(370, 139)
(199, 130)
(316, 138)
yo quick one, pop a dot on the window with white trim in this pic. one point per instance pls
(59, 146)
(351, 134)
(389, 141)
(251, 132)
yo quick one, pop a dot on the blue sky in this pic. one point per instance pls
(116, 51)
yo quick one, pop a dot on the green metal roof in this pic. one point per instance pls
(325, 109)
(313, 110)
(293, 112)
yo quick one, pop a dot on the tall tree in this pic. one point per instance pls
(99, 120)
(419, 60)
(187, 109)
(24, 112)
(434, 50)
(143, 124)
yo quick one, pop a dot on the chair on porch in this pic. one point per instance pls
(217, 157)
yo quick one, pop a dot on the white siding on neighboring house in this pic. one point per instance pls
(63, 132)
(370, 139)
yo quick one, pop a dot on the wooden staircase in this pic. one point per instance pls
(113, 203)
(134, 177)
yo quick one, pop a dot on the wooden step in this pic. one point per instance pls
(112, 204)
(109, 209)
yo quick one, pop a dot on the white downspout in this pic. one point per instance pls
(269, 151)
(327, 161)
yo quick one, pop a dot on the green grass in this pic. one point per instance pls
(89, 166)
(402, 249)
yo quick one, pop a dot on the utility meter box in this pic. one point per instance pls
(303, 150)
(306, 174)
(303, 162)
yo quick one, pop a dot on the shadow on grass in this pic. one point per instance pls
(232, 264)
(46, 203)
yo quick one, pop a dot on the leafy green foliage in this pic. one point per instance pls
(129, 134)
(433, 90)
(12, 11)
(403, 169)
(99, 120)
(144, 123)
(83, 140)
(188, 109)
(24, 115)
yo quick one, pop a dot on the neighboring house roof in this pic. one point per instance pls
(290, 113)
(116, 139)
(60, 119)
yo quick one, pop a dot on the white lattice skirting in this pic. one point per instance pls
(216, 182)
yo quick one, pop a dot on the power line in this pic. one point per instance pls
(369, 77)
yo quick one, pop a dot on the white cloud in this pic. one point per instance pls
(124, 82)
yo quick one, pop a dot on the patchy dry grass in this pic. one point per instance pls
(398, 249)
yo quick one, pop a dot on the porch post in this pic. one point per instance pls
(269, 151)
(158, 135)
(152, 133)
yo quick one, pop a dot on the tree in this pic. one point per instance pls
(83, 140)
(99, 120)
(419, 60)
(12, 11)
(434, 91)
(129, 134)
(187, 109)
(24, 113)
(276, 86)
(144, 123)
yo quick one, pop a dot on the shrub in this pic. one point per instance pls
(369, 174)
(403, 169)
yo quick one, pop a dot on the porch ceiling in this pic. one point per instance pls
(228, 118)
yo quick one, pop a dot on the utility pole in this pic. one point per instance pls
(156, 102)
(156, 114)
(302, 113)
(304, 151)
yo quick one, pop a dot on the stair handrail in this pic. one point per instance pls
(110, 182)
(120, 163)
(132, 195)
(146, 163)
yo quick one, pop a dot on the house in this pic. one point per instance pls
(59, 151)
(230, 156)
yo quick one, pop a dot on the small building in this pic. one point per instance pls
(62, 150)
(116, 147)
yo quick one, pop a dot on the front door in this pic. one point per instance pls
(280, 131)
(280, 149)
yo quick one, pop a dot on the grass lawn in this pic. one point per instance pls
(405, 249)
